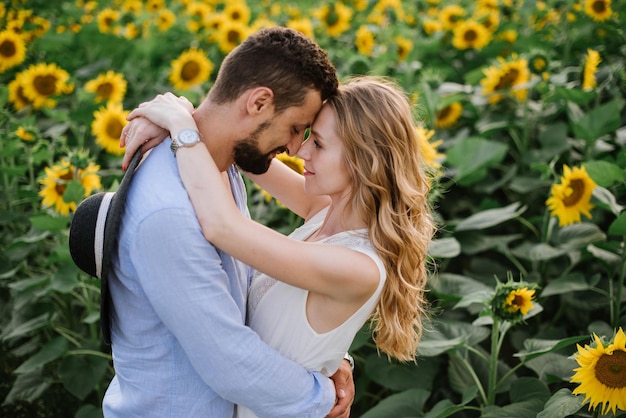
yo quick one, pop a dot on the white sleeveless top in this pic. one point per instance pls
(277, 311)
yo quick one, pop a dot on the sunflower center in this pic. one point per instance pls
(190, 71)
(539, 63)
(104, 90)
(470, 35)
(233, 37)
(332, 18)
(599, 7)
(114, 128)
(7, 49)
(576, 189)
(235, 16)
(507, 79)
(60, 187)
(45, 84)
(444, 113)
(611, 369)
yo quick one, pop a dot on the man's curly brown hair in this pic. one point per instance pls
(282, 59)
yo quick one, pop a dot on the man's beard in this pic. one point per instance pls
(249, 158)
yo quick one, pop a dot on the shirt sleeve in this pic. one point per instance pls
(182, 276)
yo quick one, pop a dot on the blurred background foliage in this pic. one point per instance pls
(521, 111)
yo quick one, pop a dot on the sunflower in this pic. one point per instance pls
(237, 11)
(450, 16)
(470, 34)
(509, 76)
(591, 67)
(56, 180)
(302, 25)
(519, 300)
(364, 41)
(199, 14)
(598, 10)
(430, 155)
(24, 134)
(602, 373)
(405, 46)
(538, 63)
(231, 34)
(12, 50)
(191, 68)
(165, 19)
(109, 86)
(447, 116)
(512, 300)
(43, 81)
(106, 19)
(107, 127)
(155, 5)
(571, 197)
(16, 93)
(432, 26)
(335, 18)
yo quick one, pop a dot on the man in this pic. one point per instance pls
(180, 347)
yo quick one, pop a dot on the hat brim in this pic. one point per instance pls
(93, 237)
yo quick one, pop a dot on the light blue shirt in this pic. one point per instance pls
(180, 346)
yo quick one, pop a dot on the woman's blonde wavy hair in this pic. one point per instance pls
(390, 194)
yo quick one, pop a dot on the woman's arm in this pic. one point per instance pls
(335, 271)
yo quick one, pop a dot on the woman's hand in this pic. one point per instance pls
(151, 122)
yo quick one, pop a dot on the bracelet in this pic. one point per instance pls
(350, 360)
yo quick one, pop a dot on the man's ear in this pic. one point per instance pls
(259, 100)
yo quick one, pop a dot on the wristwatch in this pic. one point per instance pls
(185, 138)
(350, 360)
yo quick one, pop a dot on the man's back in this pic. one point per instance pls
(159, 299)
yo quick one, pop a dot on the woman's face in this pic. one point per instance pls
(325, 170)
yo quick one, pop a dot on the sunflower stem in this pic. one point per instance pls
(496, 342)
(473, 375)
(617, 311)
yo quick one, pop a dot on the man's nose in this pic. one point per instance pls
(294, 146)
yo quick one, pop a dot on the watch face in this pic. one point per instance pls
(188, 137)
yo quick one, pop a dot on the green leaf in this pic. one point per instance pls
(579, 235)
(28, 326)
(524, 409)
(534, 347)
(445, 335)
(537, 252)
(604, 173)
(446, 408)
(409, 403)
(607, 198)
(451, 285)
(80, 374)
(574, 282)
(65, 279)
(618, 226)
(552, 367)
(444, 248)
(27, 387)
(562, 404)
(474, 243)
(89, 411)
(46, 222)
(74, 192)
(527, 388)
(574, 95)
(475, 155)
(49, 352)
(599, 121)
(399, 377)
(490, 217)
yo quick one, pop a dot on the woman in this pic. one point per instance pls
(361, 253)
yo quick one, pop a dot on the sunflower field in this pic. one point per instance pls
(521, 107)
